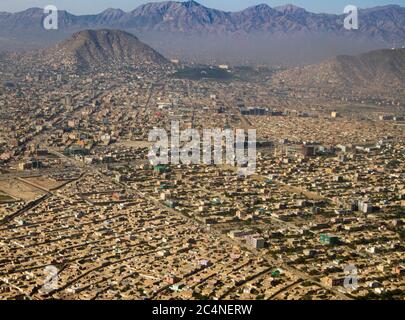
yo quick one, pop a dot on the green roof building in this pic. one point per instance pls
(328, 239)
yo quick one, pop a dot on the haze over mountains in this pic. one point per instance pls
(187, 30)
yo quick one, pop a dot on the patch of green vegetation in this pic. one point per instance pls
(5, 197)
(246, 222)
(402, 234)
(199, 296)
(199, 73)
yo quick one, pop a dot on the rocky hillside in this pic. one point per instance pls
(89, 49)
(373, 70)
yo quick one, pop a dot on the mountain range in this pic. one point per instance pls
(191, 31)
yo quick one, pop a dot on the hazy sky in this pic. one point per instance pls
(96, 6)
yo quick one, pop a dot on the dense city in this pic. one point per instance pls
(321, 218)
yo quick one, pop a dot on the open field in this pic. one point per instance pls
(135, 144)
(44, 183)
(19, 190)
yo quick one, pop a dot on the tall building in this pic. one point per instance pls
(68, 100)
(308, 150)
(256, 242)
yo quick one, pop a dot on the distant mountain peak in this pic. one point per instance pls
(33, 10)
(262, 6)
(114, 11)
(165, 5)
(387, 6)
(191, 3)
(290, 9)
(260, 9)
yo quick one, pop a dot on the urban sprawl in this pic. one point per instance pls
(78, 193)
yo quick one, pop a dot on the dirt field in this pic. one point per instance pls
(136, 144)
(20, 190)
(45, 183)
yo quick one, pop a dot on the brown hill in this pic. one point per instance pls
(375, 69)
(91, 49)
